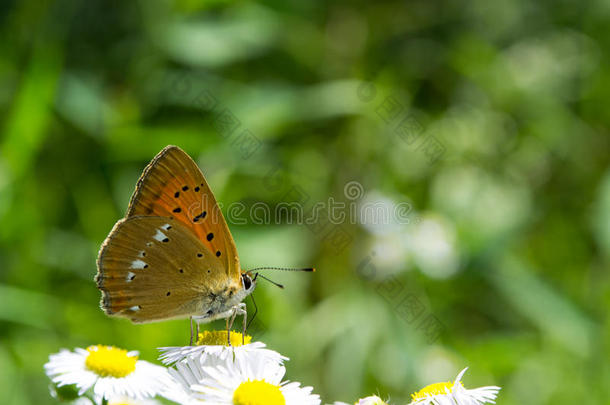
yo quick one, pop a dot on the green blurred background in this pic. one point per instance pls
(490, 120)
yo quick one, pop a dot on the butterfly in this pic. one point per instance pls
(172, 256)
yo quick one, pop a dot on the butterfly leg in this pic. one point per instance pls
(230, 321)
(243, 331)
(230, 316)
(239, 309)
(228, 331)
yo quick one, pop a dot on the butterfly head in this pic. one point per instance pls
(248, 282)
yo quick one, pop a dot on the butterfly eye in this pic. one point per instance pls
(247, 282)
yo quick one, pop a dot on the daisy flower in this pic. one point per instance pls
(372, 400)
(251, 380)
(454, 393)
(212, 348)
(109, 371)
(123, 400)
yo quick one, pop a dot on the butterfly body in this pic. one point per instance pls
(172, 256)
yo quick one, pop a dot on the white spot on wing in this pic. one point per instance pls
(130, 276)
(166, 227)
(135, 308)
(159, 236)
(137, 264)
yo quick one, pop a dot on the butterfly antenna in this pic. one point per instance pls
(271, 281)
(255, 310)
(284, 269)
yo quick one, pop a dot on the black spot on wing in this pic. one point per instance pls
(200, 216)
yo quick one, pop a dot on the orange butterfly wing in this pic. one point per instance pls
(173, 186)
(153, 268)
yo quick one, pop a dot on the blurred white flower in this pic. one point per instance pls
(454, 394)
(433, 247)
(248, 380)
(109, 371)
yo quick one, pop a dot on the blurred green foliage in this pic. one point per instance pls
(508, 242)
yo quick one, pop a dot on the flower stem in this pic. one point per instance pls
(90, 398)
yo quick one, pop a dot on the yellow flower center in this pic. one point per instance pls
(109, 361)
(219, 338)
(258, 392)
(433, 389)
